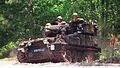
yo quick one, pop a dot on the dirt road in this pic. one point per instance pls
(8, 63)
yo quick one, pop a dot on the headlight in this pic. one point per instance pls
(52, 47)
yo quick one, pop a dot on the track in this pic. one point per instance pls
(6, 63)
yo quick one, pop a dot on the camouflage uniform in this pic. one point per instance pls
(75, 24)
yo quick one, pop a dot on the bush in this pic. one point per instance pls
(107, 51)
(4, 51)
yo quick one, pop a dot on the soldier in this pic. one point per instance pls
(60, 20)
(76, 23)
(90, 21)
(94, 27)
(74, 18)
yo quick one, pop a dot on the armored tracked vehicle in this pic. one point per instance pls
(56, 47)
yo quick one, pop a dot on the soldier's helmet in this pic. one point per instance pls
(75, 14)
(59, 17)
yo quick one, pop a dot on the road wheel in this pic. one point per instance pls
(68, 56)
(74, 56)
(21, 57)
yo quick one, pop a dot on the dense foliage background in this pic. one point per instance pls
(18, 20)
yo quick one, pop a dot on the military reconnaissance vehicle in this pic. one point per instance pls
(56, 47)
